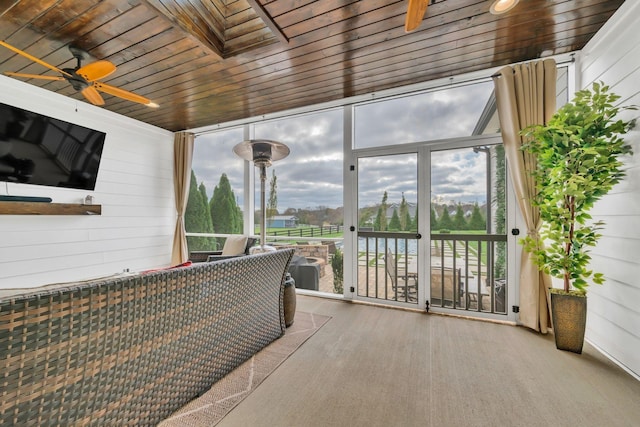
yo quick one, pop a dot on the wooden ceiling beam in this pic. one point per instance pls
(268, 21)
(204, 37)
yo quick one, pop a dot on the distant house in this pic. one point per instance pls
(282, 221)
(411, 207)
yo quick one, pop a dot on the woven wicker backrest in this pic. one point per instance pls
(131, 351)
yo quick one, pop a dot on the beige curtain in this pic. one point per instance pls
(526, 95)
(182, 155)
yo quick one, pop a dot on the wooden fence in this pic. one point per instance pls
(308, 232)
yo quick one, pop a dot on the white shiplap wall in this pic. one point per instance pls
(134, 187)
(613, 321)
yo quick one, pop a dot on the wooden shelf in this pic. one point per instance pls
(37, 208)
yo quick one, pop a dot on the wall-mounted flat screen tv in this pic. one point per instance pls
(36, 149)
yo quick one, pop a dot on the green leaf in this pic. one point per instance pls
(577, 154)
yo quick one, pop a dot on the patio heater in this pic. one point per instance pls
(262, 152)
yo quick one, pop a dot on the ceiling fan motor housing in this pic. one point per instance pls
(78, 82)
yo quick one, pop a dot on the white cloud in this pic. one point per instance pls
(428, 116)
(312, 174)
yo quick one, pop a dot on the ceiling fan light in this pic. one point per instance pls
(498, 7)
(152, 105)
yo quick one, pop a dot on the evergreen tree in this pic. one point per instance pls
(459, 221)
(501, 211)
(500, 191)
(380, 223)
(407, 222)
(239, 220)
(381, 218)
(208, 223)
(394, 223)
(192, 219)
(224, 210)
(434, 220)
(414, 223)
(196, 219)
(477, 221)
(203, 193)
(338, 272)
(403, 214)
(445, 222)
(272, 203)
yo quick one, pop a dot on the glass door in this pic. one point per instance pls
(459, 193)
(387, 232)
(468, 241)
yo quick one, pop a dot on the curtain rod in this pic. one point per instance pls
(570, 60)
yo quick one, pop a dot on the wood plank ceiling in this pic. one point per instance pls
(211, 61)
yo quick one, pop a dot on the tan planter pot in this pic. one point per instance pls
(569, 316)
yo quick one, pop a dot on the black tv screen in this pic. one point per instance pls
(36, 149)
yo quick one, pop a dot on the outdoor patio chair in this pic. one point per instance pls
(445, 284)
(234, 246)
(404, 283)
(499, 296)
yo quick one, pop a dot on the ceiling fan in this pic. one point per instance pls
(417, 9)
(83, 78)
(415, 14)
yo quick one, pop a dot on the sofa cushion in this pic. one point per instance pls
(234, 245)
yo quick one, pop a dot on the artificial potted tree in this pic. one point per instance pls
(578, 161)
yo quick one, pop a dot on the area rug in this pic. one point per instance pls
(211, 407)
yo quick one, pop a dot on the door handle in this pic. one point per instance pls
(418, 236)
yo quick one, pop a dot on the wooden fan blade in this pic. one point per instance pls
(33, 76)
(121, 93)
(96, 70)
(92, 95)
(415, 14)
(33, 58)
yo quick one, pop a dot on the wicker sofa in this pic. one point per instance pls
(132, 350)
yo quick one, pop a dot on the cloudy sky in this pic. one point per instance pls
(312, 174)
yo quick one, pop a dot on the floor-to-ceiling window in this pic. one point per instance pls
(216, 193)
(304, 196)
(424, 166)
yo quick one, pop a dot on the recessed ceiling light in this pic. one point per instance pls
(502, 6)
